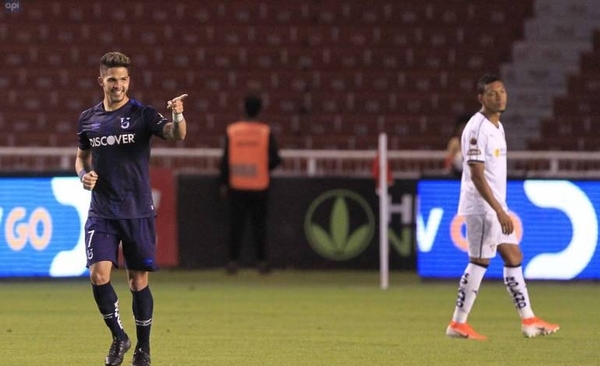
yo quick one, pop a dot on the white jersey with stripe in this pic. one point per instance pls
(482, 142)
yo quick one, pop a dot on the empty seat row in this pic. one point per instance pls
(377, 36)
(73, 101)
(270, 11)
(260, 58)
(565, 143)
(584, 83)
(361, 143)
(282, 81)
(60, 129)
(570, 125)
(580, 105)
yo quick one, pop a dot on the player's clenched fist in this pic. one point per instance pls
(89, 180)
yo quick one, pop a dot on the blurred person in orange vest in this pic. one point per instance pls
(249, 155)
(375, 173)
(453, 162)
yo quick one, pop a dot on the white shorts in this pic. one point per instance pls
(484, 234)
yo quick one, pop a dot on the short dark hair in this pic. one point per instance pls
(252, 105)
(485, 80)
(114, 59)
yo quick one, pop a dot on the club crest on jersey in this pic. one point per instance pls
(125, 122)
(473, 141)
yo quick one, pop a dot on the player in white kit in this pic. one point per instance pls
(489, 227)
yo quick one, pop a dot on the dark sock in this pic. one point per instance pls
(108, 304)
(143, 306)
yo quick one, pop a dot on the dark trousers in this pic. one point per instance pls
(250, 205)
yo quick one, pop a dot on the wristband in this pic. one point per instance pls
(81, 173)
(177, 117)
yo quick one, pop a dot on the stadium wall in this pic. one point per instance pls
(314, 223)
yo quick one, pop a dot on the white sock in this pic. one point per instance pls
(516, 287)
(468, 288)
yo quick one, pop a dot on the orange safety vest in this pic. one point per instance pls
(248, 155)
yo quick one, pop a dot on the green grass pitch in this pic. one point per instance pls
(293, 318)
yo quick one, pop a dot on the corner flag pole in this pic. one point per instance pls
(384, 212)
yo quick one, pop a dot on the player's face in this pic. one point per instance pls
(115, 82)
(494, 97)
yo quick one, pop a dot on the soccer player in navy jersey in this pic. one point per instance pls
(113, 162)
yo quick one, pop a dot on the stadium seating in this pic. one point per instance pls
(575, 115)
(353, 67)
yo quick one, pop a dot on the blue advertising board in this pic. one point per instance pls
(556, 221)
(41, 227)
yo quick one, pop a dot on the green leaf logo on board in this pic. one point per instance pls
(339, 224)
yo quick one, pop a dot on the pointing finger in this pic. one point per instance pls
(181, 97)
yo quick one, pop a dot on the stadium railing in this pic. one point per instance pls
(405, 164)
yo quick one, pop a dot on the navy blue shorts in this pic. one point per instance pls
(137, 236)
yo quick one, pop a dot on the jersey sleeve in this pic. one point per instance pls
(83, 140)
(475, 142)
(155, 120)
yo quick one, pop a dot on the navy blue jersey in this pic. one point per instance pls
(120, 143)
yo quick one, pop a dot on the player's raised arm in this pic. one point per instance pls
(176, 130)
